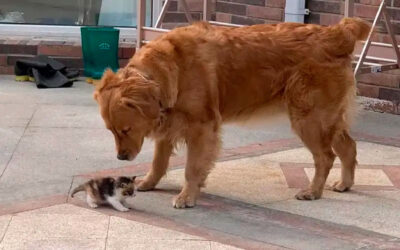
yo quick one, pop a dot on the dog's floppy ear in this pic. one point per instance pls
(106, 79)
(146, 107)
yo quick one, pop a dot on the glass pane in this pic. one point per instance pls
(121, 13)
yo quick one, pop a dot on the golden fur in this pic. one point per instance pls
(185, 84)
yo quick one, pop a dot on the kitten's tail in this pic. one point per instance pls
(78, 189)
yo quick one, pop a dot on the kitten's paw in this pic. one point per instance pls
(93, 205)
(123, 209)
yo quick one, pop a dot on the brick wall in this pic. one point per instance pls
(385, 86)
(245, 12)
(69, 53)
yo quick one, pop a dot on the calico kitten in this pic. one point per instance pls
(108, 190)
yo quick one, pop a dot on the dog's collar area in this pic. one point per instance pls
(141, 75)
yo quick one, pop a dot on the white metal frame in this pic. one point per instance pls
(376, 62)
(145, 34)
(64, 31)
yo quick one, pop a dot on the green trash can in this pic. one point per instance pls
(100, 50)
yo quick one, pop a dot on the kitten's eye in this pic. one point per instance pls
(123, 185)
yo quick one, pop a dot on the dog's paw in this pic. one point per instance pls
(145, 185)
(340, 186)
(307, 194)
(183, 201)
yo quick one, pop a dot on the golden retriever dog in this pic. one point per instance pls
(184, 85)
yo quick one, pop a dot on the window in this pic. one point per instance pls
(119, 13)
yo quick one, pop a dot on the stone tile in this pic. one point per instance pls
(368, 177)
(67, 116)
(71, 142)
(130, 230)
(253, 180)
(219, 246)
(376, 211)
(10, 137)
(63, 209)
(4, 221)
(54, 243)
(26, 93)
(367, 154)
(17, 115)
(157, 244)
(33, 226)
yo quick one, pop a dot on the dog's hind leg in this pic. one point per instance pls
(163, 151)
(319, 141)
(203, 144)
(345, 147)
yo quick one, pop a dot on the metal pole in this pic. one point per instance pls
(162, 13)
(140, 22)
(391, 33)
(206, 10)
(186, 10)
(368, 42)
(349, 8)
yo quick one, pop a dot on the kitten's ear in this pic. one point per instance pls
(133, 178)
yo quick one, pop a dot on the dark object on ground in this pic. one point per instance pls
(45, 72)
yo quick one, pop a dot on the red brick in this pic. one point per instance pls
(381, 79)
(324, 6)
(367, 11)
(60, 50)
(231, 8)
(127, 53)
(11, 59)
(171, 26)
(223, 17)
(123, 62)
(246, 20)
(368, 90)
(248, 2)
(275, 3)
(3, 60)
(6, 70)
(371, 2)
(329, 19)
(18, 49)
(173, 6)
(179, 17)
(265, 12)
(390, 94)
(193, 5)
(71, 62)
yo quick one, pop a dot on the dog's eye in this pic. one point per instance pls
(125, 131)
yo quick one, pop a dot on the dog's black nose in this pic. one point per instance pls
(122, 157)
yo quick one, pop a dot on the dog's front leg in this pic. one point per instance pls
(203, 144)
(163, 151)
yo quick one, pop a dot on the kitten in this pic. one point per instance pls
(108, 190)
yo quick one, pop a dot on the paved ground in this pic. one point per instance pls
(53, 139)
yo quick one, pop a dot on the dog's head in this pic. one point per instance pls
(129, 105)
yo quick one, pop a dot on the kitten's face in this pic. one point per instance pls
(126, 185)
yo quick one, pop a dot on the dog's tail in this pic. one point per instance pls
(78, 189)
(355, 28)
(343, 36)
